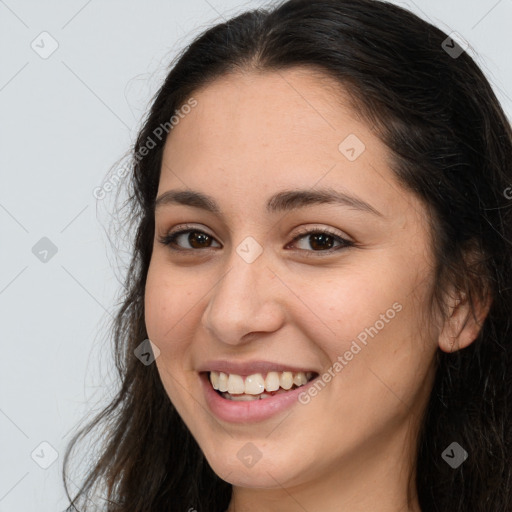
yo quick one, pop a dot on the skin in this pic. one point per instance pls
(351, 448)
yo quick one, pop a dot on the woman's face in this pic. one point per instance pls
(247, 291)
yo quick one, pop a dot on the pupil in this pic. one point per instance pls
(199, 238)
(321, 237)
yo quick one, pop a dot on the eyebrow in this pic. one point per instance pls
(285, 200)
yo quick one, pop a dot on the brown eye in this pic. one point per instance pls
(319, 241)
(322, 241)
(196, 239)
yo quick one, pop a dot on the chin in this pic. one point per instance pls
(264, 473)
(255, 478)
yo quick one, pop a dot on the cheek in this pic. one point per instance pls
(375, 314)
(165, 311)
(171, 312)
(357, 298)
(165, 302)
(387, 358)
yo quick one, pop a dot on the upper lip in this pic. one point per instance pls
(250, 367)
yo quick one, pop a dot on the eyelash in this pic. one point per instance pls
(170, 239)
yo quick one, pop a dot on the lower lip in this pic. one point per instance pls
(249, 411)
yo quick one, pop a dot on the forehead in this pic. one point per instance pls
(255, 132)
(277, 109)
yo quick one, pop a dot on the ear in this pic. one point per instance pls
(464, 323)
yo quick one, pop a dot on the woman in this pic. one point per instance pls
(322, 264)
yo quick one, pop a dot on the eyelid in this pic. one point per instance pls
(181, 230)
(322, 229)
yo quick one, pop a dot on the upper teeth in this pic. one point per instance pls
(256, 383)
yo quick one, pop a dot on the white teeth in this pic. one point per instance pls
(286, 380)
(255, 384)
(223, 381)
(219, 381)
(300, 379)
(236, 384)
(272, 381)
(214, 379)
(243, 398)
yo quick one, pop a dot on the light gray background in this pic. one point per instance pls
(64, 121)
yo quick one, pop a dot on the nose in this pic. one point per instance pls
(246, 300)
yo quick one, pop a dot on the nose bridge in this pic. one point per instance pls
(242, 301)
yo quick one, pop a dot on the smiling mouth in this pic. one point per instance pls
(257, 386)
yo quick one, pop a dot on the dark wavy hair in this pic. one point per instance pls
(451, 145)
